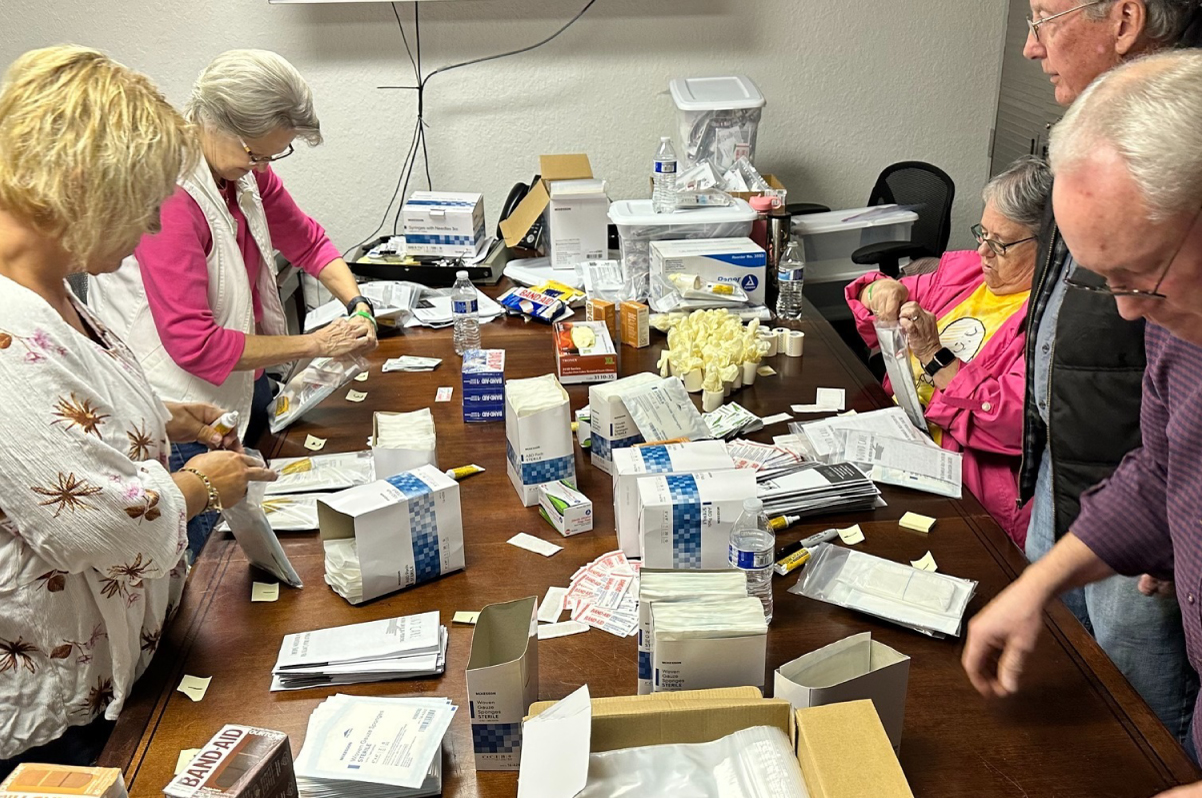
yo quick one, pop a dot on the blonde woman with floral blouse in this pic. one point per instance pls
(92, 524)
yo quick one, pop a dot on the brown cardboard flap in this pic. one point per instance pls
(564, 167)
(552, 167)
(844, 753)
(607, 704)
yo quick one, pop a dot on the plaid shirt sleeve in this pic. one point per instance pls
(1124, 520)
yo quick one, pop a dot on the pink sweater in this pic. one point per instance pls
(176, 276)
(981, 410)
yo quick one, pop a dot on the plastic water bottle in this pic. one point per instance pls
(663, 198)
(465, 312)
(752, 550)
(790, 276)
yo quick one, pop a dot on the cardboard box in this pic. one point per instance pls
(701, 663)
(538, 446)
(855, 668)
(577, 222)
(777, 192)
(565, 508)
(390, 461)
(443, 223)
(597, 362)
(528, 211)
(844, 753)
(483, 391)
(738, 262)
(238, 761)
(603, 310)
(502, 681)
(35, 780)
(699, 716)
(612, 426)
(685, 519)
(635, 322)
(408, 529)
(631, 463)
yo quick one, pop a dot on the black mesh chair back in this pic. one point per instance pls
(929, 192)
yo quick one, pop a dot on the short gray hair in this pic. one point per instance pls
(253, 93)
(1150, 112)
(1021, 192)
(1166, 19)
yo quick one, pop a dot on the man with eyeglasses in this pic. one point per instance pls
(1085, 365)
(1128, 197)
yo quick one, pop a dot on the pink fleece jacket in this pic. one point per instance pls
(176, 277)
(981, 409)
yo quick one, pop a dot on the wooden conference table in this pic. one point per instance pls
(1078, 729)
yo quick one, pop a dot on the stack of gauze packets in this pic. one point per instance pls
(367, 747)
(703, 644)
(392, 648)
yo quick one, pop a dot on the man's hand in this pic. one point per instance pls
(922, 331)
(1151, 586)
(191, 422)
(1001, 638)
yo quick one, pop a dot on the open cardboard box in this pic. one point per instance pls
(778, 192)
(528, 211)
(842, 748)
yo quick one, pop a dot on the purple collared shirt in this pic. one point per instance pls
(1147, 517)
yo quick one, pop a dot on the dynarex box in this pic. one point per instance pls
(443, 223)
(484, 385)
(734, 261)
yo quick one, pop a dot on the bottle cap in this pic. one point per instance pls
(665, 138)
(461, 274)
(753, 505)
(760, 203)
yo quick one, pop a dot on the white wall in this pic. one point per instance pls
(852, 85)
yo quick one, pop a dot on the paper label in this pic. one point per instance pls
(925, 563)
(314, 444)
(536, 545)
(361, 377)
(564, 629)
(356, 396)
(443, 394)
(194, 687)
(852, 535)
(468, 618)
(263, 591)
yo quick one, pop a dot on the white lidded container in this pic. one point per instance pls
(718, 119)
(638, 225)
(830, 239)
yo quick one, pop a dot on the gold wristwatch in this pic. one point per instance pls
(214, 504)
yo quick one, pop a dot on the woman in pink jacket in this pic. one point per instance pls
(966, 325)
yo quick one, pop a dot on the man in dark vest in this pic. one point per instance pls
(1085, 365)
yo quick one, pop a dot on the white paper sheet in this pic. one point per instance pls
(555, 749)
(907, 464)
(891, 421)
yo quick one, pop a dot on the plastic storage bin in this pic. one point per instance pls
(638, 226)
(718, 117)
(831, 238)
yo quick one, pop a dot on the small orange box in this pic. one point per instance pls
(636, 326)
(603, 310)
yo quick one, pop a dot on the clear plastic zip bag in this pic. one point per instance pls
(310, 386)
(250, 527)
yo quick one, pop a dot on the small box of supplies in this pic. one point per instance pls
(736, 262)
(685, 519)
(502, 681)
(565, 508)
(483, 385)
(402, 441)
(391, 534)
(444, 223)
(238, 761)
(538, 435)
(697, 645)
(584, 352)
(612, 426)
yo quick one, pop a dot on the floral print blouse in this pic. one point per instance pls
(92, 527)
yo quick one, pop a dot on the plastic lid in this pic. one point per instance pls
(461, 274)
(852, 219)
(753, 505)
(733, 92)
(639, 212)
(761, 203)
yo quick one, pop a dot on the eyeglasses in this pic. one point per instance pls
(1034, 24)
(258, 159)
(1138, 293)
(999, 248)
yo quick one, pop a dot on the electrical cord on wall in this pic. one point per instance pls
(402, 185)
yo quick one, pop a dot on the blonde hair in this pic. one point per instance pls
(89, 149)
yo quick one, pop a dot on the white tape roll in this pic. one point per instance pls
(795, 343)
(749, 372)
(770, 338)
(711, 401)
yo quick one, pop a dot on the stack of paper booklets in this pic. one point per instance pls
(361, 747)
(811, 488)
(765, 459)
(394, 648)
(657, 586)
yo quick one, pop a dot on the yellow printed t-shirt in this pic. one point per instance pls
(966, 328)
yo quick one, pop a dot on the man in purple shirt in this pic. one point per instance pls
(1128, 194)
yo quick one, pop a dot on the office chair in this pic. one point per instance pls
(927, 190)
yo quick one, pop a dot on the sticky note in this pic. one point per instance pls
(361, 376)
(314, 444)
(852, 535)
(185, 758)
(264, 591)
(356, 396)
(550, 630)
(778, 418)
(926, 563)
(194, 687)
(444, 394)
(536, 545)
(469, 618)
(765, 371)
(848, 413)
(916, 522)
